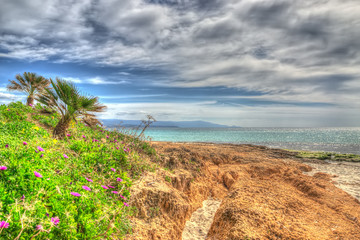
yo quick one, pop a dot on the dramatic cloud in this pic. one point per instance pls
(287, 52)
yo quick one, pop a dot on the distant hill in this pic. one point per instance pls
(179, 124)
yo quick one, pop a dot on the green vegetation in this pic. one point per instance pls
(329, 156)
(65, 99)
(168, 179)
(74, 188)
(30, 83)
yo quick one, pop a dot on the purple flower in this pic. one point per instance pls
(126, 204)
(86, 188)
(41, 155)
(107, 136)
(40, 149)
(37, 174)
(115, 192)
(30, 105)
(104, 187)
(117, 147)
(36, 151)
(23, 197)
(3, 167)
(65, 156)
(25, 143)
(88, 179)
(46, 214)
(4, 224)
(83, 136)
(110, 186)
(113, 169)
(75, 194)
(39, 227)
(68, 135)
(122, 196)
(7, 145)
(119, 180)
(55, 220)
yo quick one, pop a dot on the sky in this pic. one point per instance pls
(250, 63)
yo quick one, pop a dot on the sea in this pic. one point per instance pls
(340, 140)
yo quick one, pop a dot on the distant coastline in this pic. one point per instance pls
(163, 124)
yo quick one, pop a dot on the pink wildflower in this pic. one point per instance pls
(83, 136)
(107, 136)
(115, 192)
(7, 145)
(40, 149)
(30, 105)
(23, 197)
(86, 188)
(4, 224)
(104, 187)
(68, 135)
(119, 180)
(75, 194)
(65, 156)
(117, 147)
(55, 220)
(41, 155)
(111, 186)
(122, 197)
(25, 143)
(39, 227)
(37, 174)
(88, 179)
(113, 169)
(126, 204)
(3, 167)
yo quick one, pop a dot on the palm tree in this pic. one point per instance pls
(31, 83)
(66, 99)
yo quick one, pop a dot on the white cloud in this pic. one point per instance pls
(291, 51)
(95, 80)
(240, 115)
(74, 80)
(99, 80)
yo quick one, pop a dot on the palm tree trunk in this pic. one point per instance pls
(61, 127)
(30, 100)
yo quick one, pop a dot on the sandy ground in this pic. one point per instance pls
(199, 224)
(346, 175)
(264, 194)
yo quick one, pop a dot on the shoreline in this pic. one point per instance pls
(303, 152)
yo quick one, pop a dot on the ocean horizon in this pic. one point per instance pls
(328, 139)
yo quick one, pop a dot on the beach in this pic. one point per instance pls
(244, 192)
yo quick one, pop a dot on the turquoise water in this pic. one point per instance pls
(342, 140)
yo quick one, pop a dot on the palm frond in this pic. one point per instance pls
(31, 83)
(66, 99)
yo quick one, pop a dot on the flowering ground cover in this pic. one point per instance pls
(75, 188)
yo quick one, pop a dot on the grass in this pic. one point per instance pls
(96, 158)
(329, 156)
